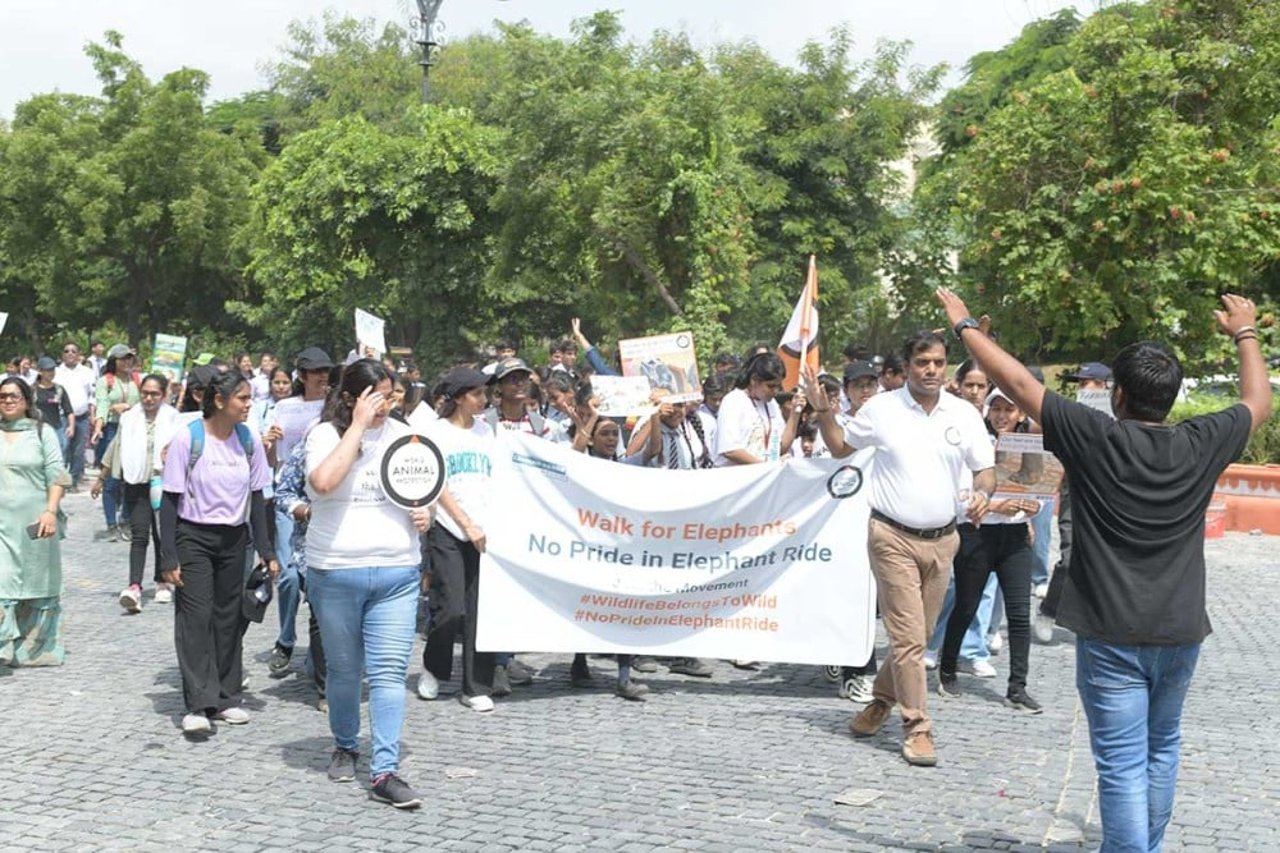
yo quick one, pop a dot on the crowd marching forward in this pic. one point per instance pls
(282, 461)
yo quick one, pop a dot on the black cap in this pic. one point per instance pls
(858, 369)
(1089, 370)
(313, 358)
(460, 380)
(508, 366)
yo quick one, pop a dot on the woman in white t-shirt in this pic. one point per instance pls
(362, 575)
(749, 425)
(455, 542)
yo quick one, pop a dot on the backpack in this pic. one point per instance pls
(111, 379)
(196, 429)
(536, 421)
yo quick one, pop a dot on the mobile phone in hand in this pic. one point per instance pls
(33, 530)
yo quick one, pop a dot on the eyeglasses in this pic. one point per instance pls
(70, 350)
(10, 398)
(151, 393)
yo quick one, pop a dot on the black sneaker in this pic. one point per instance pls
(342, 765)
(501, 682)
(947, 686)
(580, 673)
(691, 666)
(1018, 699)
(279, 663)
(390, 788)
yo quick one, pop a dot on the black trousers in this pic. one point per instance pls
(315, 651)
(208, 620)
(144, 525)
(455, 597)
(1006, 550)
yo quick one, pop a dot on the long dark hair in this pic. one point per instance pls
(357, 376)
(224, 386)
(765, 366)
(28, 396)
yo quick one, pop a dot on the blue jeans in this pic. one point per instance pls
(974, 647)
(1133, 697)
(288, 590)
(73, 453)
(366, 620)
(112, 498)
(1042, 525)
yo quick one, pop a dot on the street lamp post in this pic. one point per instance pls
(427, 10)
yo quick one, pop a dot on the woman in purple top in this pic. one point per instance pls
(214, 474)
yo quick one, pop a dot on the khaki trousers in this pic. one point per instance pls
(911, 580)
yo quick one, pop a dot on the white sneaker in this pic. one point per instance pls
(930, 660)
(980, 668)
(428, 686)
(1042, 628)
(995, 642)
(476, 703)
(164, 594)
(1040, 590)
(857, 688)
(131, 598)
(195, 723)
(232, 716)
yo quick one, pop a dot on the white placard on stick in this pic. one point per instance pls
(370, 332)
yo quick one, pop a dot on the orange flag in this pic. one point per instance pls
(800, 341)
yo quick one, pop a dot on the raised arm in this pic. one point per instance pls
(1237, 320)
(832, 434)
(1004, 370)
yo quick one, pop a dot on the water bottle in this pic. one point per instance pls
(157, 489)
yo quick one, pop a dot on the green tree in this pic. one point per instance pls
(1115, 199)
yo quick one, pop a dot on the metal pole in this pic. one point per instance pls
(427, 10)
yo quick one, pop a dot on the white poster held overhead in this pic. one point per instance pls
(4, 318)
(763, 562)
(621, 396)
(665, 361)
(370, 334)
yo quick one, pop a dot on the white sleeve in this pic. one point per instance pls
(321, 441)
(979, 451)
(732, 429)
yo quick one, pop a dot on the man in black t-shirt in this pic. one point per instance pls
(1135, 587)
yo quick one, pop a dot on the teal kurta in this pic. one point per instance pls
(30, 462)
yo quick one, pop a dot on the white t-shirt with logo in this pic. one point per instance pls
(355, 525)
(468, 464)
(746, 424)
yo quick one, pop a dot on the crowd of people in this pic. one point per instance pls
(282, 461)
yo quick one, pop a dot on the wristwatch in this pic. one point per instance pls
(966, 323)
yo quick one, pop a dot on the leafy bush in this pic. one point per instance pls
(1264, 445)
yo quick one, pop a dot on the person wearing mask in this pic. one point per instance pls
(30, 531)
(135, 460)
(288, 422)
(1135, 588)
(54, 403)
(78, 380)
(1000, 547)
(456, 541)
(932, 451)
(214, 472)
(115, 393)
(362, 575)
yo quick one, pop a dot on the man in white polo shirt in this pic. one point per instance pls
(927, 443)
(78, 380)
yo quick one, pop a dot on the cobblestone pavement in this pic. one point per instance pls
(94, 758)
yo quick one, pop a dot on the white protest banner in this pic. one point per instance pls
(371, 333)
(1024, 469)
(762, 562)
(620, 396)
(1096, 398)
(666, 361)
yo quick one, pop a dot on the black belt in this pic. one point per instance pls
(919, 532)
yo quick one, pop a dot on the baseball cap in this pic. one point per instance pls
(46, 363)
(1089, 370)
(314, 358)
(508, 366)
(459, 380)
(997, 394)
(203, 358)
(859, 369)
(119, 351)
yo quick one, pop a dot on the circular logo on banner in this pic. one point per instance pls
(683, 341)
(845, 482)
(412, 471)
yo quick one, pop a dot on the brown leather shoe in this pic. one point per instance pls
(918, 749)
(870, 719)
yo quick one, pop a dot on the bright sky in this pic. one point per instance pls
(41, 41)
